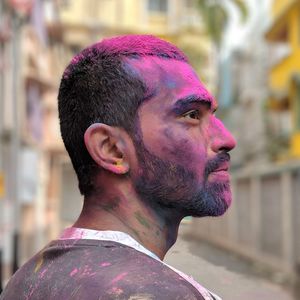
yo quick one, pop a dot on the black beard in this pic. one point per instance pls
(172, 187)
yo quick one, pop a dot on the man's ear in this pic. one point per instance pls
(105, 145)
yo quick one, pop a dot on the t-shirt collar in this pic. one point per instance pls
(107, 235)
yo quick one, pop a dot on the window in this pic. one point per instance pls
(158, 5)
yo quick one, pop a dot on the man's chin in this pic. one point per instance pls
(223, 202)
(216, 212)
(213, 201)
(222, 208)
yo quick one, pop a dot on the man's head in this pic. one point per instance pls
(135, 102)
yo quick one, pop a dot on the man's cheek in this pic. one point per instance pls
(180, 149)
(172, 145)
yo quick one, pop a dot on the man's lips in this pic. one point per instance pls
(223, 167)
(218, 164)
(220, 173)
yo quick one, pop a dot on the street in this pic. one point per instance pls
(227, 276)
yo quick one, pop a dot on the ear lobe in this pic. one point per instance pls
(104, 146)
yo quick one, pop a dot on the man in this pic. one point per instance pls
(140, 129)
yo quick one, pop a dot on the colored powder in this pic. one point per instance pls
(74, 272)
(39, 263)
(142, 220)
(119, 277)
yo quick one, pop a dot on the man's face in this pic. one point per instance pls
(180, 145)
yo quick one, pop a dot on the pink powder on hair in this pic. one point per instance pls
(128, 45)
(140, 44)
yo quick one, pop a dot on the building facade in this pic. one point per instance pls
(284, 76)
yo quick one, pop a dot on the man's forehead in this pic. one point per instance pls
(162, 75)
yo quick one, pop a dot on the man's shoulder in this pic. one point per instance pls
(90, 269)
(126, 273)
(149, 281)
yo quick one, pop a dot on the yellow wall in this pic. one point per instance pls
(279, 6)
(73, 12)
(124, 14)
(281, 75)
(295, 144)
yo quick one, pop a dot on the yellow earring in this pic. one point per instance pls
(118, 163)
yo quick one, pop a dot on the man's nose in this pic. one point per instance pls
(221, 138)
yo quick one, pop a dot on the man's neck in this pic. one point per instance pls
(122, 210)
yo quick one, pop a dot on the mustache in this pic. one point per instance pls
(216, 162)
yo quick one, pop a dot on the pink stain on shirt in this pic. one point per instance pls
(73, 272)
(119, 277)
(42, 273)
(72, 233)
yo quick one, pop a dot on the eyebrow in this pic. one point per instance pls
(184, 103)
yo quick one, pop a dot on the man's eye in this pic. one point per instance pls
(192, 114)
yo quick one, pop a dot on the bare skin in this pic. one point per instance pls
(116, 205)
(129, 215)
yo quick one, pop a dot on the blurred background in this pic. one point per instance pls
(248, 55)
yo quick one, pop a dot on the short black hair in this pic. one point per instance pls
(97, 88)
